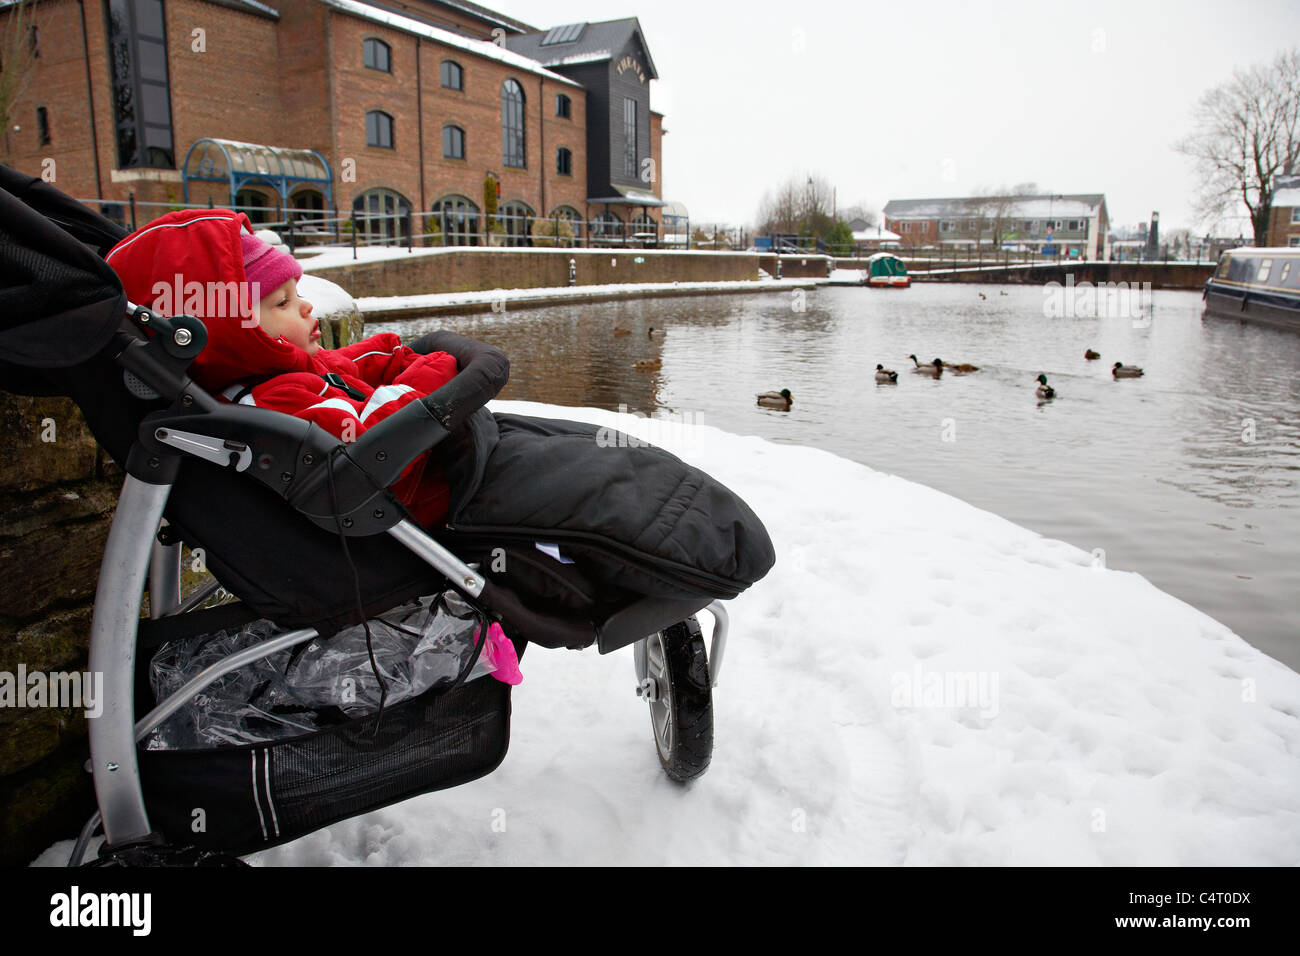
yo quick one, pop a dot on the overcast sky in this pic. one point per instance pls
(899, 101)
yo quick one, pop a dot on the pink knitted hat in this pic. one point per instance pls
(267, 266)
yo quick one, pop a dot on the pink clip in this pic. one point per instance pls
(500, 652)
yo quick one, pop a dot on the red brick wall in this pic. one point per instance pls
(657, 150)
(1280, 226)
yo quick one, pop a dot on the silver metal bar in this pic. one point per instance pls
(216, 450)
(164, 578)
(461, 574)
(209, 674)
(112, 654)
(83, 840)
(201, 594)
(721, 622)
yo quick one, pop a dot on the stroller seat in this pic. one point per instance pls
(565, 543)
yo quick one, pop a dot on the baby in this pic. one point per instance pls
(264, 343)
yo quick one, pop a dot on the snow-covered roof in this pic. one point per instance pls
(1287, 198)
(1008, 207)
(484, 48)
(876, 234)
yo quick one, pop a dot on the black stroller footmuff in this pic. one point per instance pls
(555, 536)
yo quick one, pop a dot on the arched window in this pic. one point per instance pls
(376, 55)
(513, 152)
(517, 218)
(379, 129)
(255, 204)
(572, 217)
(453, 142)
(308, 206)
(643, 226)
(381, 216)
(457, 218)
(563, 105)
(452, 76)
(607, 226)
(563, 162)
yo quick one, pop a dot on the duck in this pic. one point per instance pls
(649, 365)
(1090, 355)
(885, 376)
(1120, 370)
(1044, 390)
(983, 296)
(1002, 291)
(963, 367)
(619, 330)
(934, 368)
(782, 399)
(650, 332)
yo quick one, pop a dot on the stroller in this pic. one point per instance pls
(618, 546)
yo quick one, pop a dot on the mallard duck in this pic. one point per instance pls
(934, 368)
(1120, 370)
(650, 332)
(963, 367)
(1090, 355)
(782, 399)
(983, 296)
(885, 376)
(619, 330)
(649, 365)
(1044, 390)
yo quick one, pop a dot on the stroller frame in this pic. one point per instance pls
(235, 436)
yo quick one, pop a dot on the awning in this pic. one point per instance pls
(630, 197)
(238, 164)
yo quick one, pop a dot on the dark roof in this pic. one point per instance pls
(591, 42)
(427, 13)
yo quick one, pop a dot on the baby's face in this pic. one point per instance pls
(285, 314)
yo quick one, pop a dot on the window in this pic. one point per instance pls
(43, 125)
(563, 105)
(381, 216)
(643, 226)
(606, 226)
(1264, 268)
(572, 217)
(34, 41)
(1293, 241)
(137, 53)
(457, 219)
(254, 203)
(376, 55)
(516, 217)
(379, 129)
(513, 151)
(453, 142)
(945, 226)
(308, 206)
(629, 138)
(1286, 271)
(563, 162)
(1295, 213)
(1076, 225)
(1032, 227)
(453, 78)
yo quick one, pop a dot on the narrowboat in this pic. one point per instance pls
(1256, 285)
(886, 271)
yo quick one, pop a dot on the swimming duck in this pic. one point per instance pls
(619, 330)
(934, 368)
(1090, 355)
(963, 367)
(885, 376)
(1044, 390)
(983, 296)
(1120, 370)
(782, 399)
(650, 332)
(649, 365)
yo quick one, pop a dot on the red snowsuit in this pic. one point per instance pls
(191, 261)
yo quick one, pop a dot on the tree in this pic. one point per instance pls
(1246, 133)
(16, 59)
(803, 204)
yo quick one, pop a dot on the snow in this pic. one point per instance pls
(848, 277)
(1287, 198)
(876, 234)
(484, 48)
(1108, 723)
(326, 298)
(375, 306)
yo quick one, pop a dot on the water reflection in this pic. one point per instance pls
(1187, 475)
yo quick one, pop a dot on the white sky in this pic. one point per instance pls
(902, 101)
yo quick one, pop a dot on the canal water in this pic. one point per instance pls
(1187, 475)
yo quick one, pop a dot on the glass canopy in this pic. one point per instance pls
(239, 164)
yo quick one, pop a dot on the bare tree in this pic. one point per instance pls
(803, 204)
(16, 59)
(1246, 134)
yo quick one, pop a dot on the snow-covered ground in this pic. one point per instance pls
(376, 306)
(915, 682)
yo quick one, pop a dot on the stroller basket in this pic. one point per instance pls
(241, 799)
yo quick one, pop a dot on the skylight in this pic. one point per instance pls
(565, 34)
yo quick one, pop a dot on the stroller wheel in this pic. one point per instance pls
(678, 689)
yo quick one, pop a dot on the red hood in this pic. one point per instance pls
(191, 261)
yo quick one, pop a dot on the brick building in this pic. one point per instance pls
(299, 107)
(1074, 224)
(1284, 219)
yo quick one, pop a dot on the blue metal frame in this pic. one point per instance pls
(281, 182)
